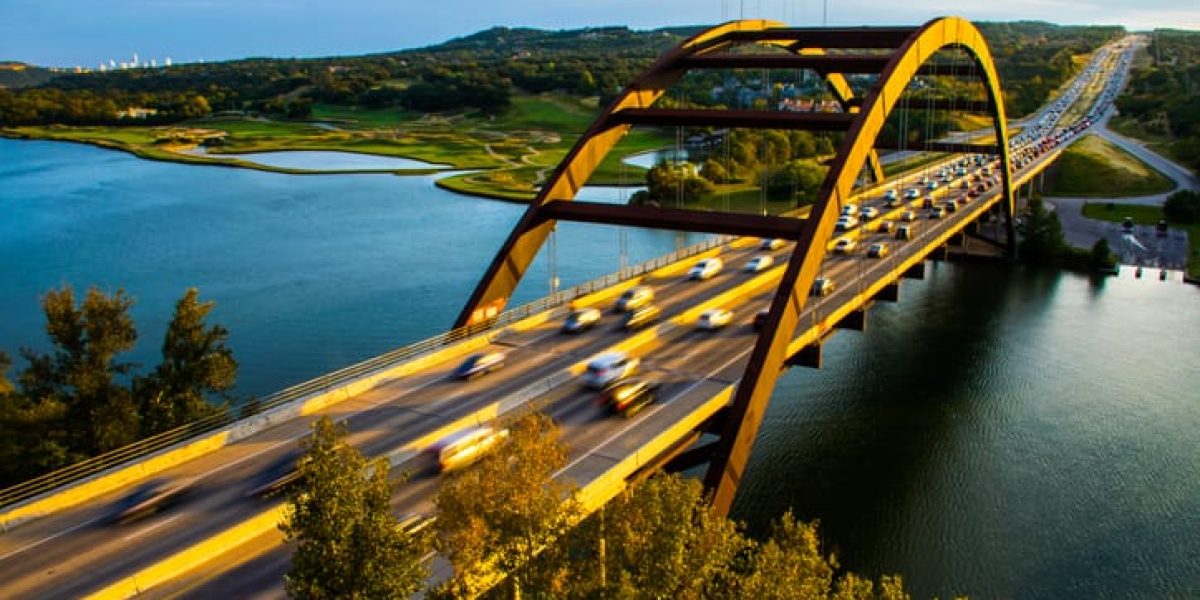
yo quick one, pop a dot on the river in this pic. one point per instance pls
(999, 432)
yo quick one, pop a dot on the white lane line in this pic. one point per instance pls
(157, 525)
(658, 407)
(49, 538)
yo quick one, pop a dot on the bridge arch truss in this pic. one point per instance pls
(897, 55)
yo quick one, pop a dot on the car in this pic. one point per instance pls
(846, 223)
(609, 367)
(759, 263)
(760, 318)
(928, 202)
(908, 216)
(844, 245)
(868, 212)
(581, 319)
(951, 205)
(912, 194)
(878, 250)
(891, 194)
(714, 318)
(479, 364)
(937, 212)
(849, 210)
(465, 447)
(150, 497)
(932, 185)
(973, 194)
(772, 244)
(893, 202)
(822, 286)
(635, 297)
(641, 317)
(904, 232)
(886, 227)
(280, 475)
(706, 269)
(628, 397)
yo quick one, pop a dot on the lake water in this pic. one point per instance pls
(998, 433)
(325, 160)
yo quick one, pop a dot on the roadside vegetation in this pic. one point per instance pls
(1181, 210)
(510, 531)
(1161, 104)
(1042, 243)
(1092, 167)
(80, 399)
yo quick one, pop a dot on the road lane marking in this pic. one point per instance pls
(49, 538)
(157, 525)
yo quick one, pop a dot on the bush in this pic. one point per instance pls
(1183, 207)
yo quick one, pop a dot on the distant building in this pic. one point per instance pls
(136, 112)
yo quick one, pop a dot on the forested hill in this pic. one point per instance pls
(18, 75)
(477, 72)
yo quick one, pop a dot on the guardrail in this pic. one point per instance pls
(86, 468)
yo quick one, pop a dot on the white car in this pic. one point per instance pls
(714, 318)
(771, 244)
(846, 223)
(891, 194)
(849, 210)
(912, 193)
(706, 269)
(608, 368)
(844, 245)
(868, 212)
(822, 286)
(759, 263)
(581, 319)
(877, 250)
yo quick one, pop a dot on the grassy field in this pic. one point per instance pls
(1093, 168)
(1146, 215)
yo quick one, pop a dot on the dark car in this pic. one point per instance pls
(628, 397)
(149, 498)
(277, 477)
(760, 318)
(641, 317)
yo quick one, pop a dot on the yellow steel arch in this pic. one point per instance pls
(770, 352)
(519, 250)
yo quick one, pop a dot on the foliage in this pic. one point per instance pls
(799, 180)
(1183, 207)
(197, 365)
(1041, 235)
(80, 399)
(348, 545)
(1164, 95)
(498, 514)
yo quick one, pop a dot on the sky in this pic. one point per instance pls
(87, 32)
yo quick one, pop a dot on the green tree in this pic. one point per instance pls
(80, 374)
(1041, 235)
(196, 364)
(348, 545)
(495, 516)
(1101, 257)
(1182, 207)
(798, 179)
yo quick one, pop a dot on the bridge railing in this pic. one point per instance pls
(145, 447)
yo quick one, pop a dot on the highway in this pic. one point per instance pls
(76, 551)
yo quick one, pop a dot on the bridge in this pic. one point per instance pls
(59, 538)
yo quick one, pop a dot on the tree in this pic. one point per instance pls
(348, 545)
(788, 565)
(1182, 207)
(1101, 258)
(1042, 236)
(499, 514)
(196, 363)
(81, 372)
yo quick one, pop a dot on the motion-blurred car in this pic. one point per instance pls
(822, 286)
(627, 397)
(581, 319)
(706, 269)
(277, 477)
(609, 367)
(759, 263)
(150, 497)
(635, 297)
(877, 250)
(844, 245)
(641, 317)
(714, 318)
(480, 364)
(771, 244)
(462, 449)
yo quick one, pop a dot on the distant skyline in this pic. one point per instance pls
(66, 33)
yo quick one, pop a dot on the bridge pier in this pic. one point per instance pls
(856, 320)
(916, 271)
(889, 293)
(809, 356)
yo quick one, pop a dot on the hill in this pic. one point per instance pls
(20, 75)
